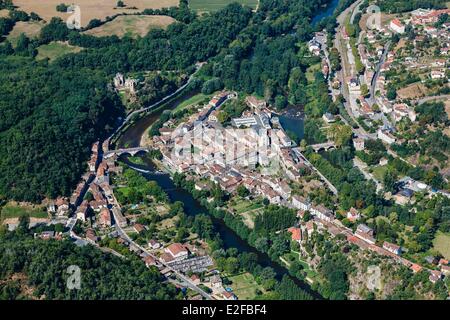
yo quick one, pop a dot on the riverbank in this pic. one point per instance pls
(229, 237)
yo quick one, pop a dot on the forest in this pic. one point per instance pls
(50, 118)
(44, 265)
(265, 58)
(53, 112)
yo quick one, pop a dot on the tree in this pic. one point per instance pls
(280, 102)
(34, 16)
(62, 7)
(22, 44)
(212, 85)
(389, 181)
(391, 93)
(364, 90)
(242, 191)
(120, 4)
(223, 116)
(231, 265)
(341, 134)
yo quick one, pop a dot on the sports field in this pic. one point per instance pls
(214, 5)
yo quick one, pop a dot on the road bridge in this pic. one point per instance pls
(118, 152)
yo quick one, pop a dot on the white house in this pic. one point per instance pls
(397, 26)
(322, 213)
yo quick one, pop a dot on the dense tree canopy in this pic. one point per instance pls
(103, 276)
(50, 118)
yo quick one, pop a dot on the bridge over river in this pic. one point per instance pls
(323, 146)
(131, 151)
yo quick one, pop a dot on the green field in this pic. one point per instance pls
(379, 171)
(13, 211)
(244, 286)
(442, 244)
(197, 99)
(311, 71)
(55, 50)
(295, 256)
(241, 205)
(214, 5)
(30, 28)
(136, 160)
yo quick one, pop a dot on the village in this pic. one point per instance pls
(213, 160)
(397, 79)
(254, 152)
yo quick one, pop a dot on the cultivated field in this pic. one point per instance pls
(214, 5)
(31, 29)
(414, 90)
(54, 50)
(90, 9)
(132, 26)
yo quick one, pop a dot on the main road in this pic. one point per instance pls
(371, 99)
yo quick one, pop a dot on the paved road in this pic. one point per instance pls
(346, 70)
(356, 11)
(371, 99)
(363, 168)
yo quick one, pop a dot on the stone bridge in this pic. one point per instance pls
(118, 152)
(323, 146)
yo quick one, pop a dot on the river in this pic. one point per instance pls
(329, 10)
(131, 137)
(192, 207)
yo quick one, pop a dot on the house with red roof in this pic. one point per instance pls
(139, 228)
(149, 261)
(353, 214)
(296, 234)
(104, 218)
(415, 268)
(397, 26)
(227, 295)
(177, 251)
